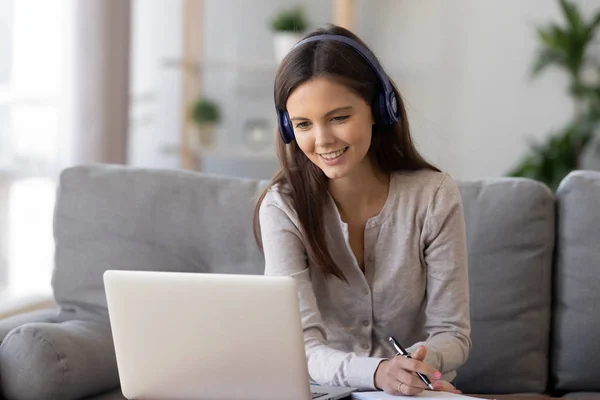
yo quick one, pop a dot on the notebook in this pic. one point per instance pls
(426, 394)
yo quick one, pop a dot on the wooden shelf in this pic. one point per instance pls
(192, 66)
(344, 13)
(191, 82)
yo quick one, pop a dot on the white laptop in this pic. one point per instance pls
(184, 336)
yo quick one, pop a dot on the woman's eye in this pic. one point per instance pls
(341, 118)
(302, 125)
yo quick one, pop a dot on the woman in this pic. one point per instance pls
(372, 233)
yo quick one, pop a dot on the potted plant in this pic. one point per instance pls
(288, 27)
(568, 46)
(206, 115)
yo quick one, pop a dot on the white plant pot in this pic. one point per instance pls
(202, 138)
(283, 43)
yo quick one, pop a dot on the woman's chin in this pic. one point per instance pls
(334, 172)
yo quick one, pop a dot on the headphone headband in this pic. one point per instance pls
(386, 103)
(360, 49)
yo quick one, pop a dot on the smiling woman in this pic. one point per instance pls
(373, 234)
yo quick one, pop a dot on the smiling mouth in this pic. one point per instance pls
(334, 154)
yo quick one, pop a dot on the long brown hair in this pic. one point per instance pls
(304, 183)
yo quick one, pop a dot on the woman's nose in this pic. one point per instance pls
(323, 136)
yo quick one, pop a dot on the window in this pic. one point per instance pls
(33, 64)
(32, 60)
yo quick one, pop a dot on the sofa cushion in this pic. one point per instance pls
(67, 360)
(510, 239)
(10, 323)
(115, 217)
(582, 396)
(112, 395)
(576, 327)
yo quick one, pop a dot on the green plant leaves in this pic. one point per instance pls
(292, 20)
(205, 111)
(565, 46)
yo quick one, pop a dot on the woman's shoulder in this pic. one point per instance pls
(424, 193)
(277, 196)
(423, 181)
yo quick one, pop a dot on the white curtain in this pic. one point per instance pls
(98, 100)
(32, 48)
(64, 84)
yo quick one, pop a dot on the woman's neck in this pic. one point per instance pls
(360, 195)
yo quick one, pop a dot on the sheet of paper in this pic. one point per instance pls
(426, 394)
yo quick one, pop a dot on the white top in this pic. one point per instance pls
(415, 284)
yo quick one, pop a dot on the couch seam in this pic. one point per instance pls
(547, 275)
(551, 384)
(42, 337)
(8, 336)
(64, 368)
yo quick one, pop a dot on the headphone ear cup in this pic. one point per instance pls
(285, 126)
(387, 111)
(289, 129)
(382, 110)
(393, 108)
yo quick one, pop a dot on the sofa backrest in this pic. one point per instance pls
(510, 234)
(113, 217)
(576, 324)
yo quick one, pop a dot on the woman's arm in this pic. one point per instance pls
(285, 254)
(445, 255)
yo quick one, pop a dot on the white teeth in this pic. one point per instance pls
(334, 154)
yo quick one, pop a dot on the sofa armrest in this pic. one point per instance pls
(13, 304)
(10, 323)
(66, 360)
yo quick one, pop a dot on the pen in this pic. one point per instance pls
(404, 353)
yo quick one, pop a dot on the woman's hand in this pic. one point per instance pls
(445, 386)
(398, 376)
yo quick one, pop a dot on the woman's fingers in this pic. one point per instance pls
(398, 375)
(411, 379)
(410, 364)
(420, 354)
(404, 389)
(445, 386)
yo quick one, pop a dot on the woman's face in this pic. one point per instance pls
(332, 126)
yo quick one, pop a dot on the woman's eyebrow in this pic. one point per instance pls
(335, 110)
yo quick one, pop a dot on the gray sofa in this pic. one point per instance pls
(534, 264)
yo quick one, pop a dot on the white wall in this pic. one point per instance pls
(463, 68)
(6, 10)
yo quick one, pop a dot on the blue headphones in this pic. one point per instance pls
(386, 103)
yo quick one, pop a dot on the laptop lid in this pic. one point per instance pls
(188, 336)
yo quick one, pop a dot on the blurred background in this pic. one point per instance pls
(493, 88)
